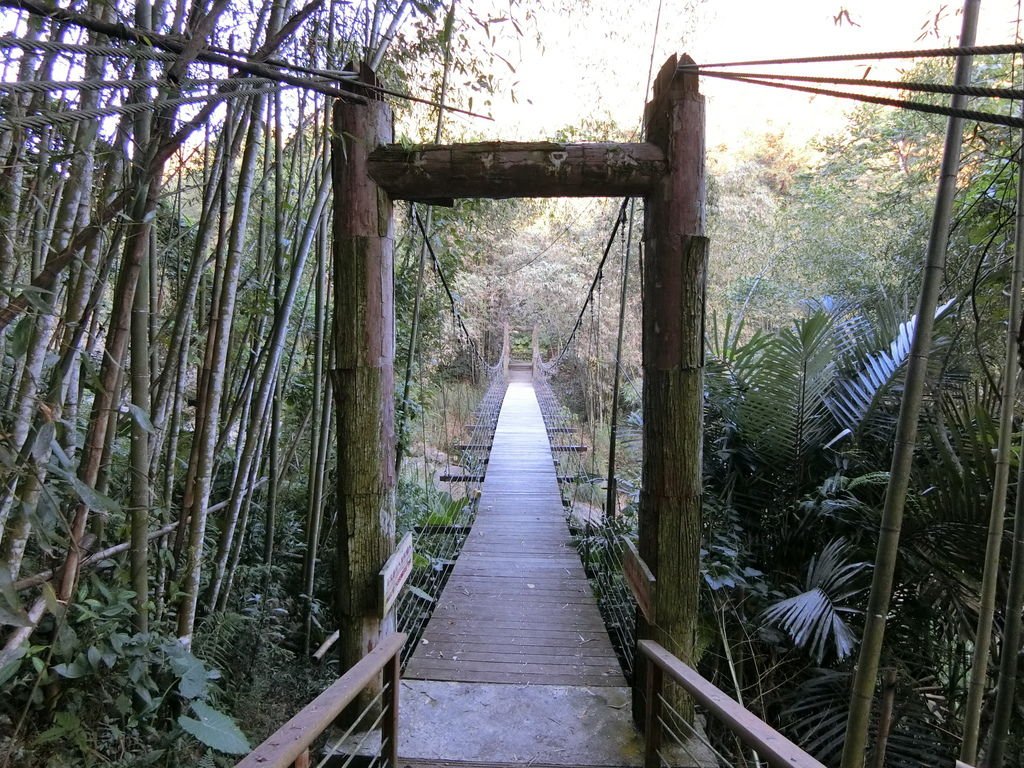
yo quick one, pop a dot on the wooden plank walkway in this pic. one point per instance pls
(517, 608)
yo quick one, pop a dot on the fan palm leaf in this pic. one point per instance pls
(813, 618)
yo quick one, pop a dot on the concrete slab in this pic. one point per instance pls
(517, 724)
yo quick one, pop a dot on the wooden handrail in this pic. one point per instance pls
(779, 751)
(290, 743)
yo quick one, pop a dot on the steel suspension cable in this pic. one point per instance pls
(593, 285)
(916, 106)
(97, 84)
(49, 118)
(963, 50)
(338, 83)
(611, 505)
(85, 49)
(170, 44)
(941, 88)
(447, 289)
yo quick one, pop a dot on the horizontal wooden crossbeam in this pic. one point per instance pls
(502, 169)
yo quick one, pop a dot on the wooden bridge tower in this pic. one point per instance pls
(667, 170)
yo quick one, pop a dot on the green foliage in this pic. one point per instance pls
(814, 617)
(215, 729)
(104, 691)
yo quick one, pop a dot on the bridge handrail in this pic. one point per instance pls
(769, 744)
(289, 745)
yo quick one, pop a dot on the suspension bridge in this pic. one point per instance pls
(513, 663)
(517, 658)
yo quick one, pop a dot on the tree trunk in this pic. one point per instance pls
(993, 548)
(220, 333)
(261, 400)
(141, 501)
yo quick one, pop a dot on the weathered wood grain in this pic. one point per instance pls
(502, 169)
(673, 365)
(363, 378)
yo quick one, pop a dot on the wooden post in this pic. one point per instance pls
(535, 351)
(653, 716)
(673, 365)
(363, 377)
(506, 349)
(389, 725)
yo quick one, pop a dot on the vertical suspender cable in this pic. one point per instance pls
(449, 24)
(611, 504)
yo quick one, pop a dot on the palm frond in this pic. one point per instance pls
(783, 413)
(856, 401)
(814, 617)
(816, 715)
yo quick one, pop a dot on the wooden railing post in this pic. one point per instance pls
(288, 746)
(767, 743)
(389, 725)
(652, 717)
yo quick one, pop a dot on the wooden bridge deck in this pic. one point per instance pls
(517, 608)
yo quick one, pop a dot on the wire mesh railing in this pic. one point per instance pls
(438, 536)
(598, 536)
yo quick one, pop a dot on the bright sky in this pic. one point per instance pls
(596, 58)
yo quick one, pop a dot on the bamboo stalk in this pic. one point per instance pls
(865, 678)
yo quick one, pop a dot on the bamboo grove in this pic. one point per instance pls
(165, 301)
